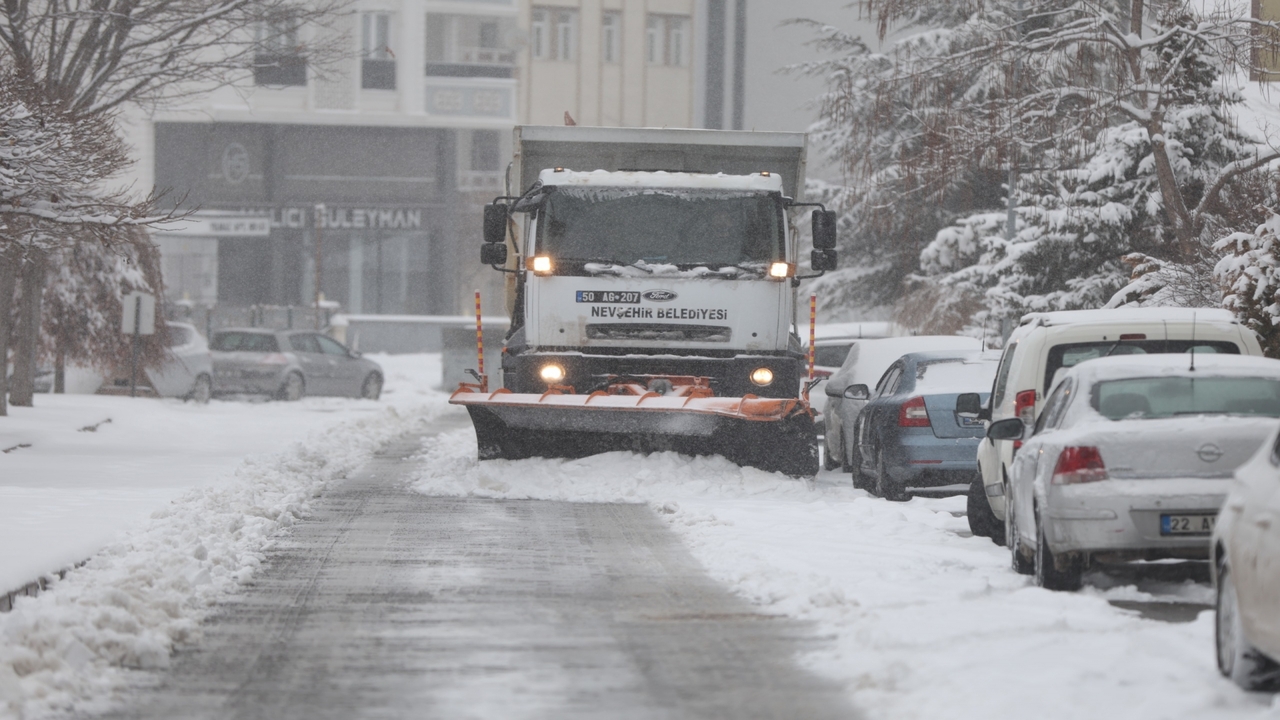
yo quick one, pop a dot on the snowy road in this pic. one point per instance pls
(390, 603)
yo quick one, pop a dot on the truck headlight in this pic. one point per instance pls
(540, 265)
(762, 376)
(552, 373)
(780, 270)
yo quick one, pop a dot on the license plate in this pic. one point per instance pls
(608, 296)
(1187, 524)
(969, 421)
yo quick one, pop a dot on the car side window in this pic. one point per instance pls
(1054, 406)
(1275, 452)
(1002, 375)
(889, 382)
(304, 343)
(330, 346)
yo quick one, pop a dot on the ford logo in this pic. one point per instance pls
(659, 296)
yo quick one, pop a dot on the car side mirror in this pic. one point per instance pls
(1007, 429)
(493, 254)
(834, 390)
(824, 229)
(355, 354)
(857, 392)
(495, 224)
(822, 260)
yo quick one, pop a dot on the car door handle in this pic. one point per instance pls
(1264, 521)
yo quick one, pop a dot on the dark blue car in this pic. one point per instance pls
(909, 435)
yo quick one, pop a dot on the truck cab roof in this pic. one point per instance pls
(758, 182)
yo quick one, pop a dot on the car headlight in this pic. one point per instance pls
(552, 373)
(762, 376)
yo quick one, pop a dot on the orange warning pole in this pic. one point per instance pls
(813, 329)
(484, 379)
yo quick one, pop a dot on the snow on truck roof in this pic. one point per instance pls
(1129, 315)
(760, 182)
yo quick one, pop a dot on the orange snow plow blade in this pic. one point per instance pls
(770, 433)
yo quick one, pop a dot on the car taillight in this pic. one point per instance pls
(1079, 465)
(1024, 407)
(275, 359)
(912, 413)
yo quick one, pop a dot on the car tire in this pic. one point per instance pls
(1237, 659)
(202, 390)
(830, 460)
(371, 388)
(885, 487)
(853, 466)
(1048, 575)
(1018, 556)
(294, 387)
(982, 521)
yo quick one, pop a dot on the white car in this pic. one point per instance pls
(1132, 458)
(831, 345)
(1043, 343)
(1246, 573)
(848, 390)
(187, 371)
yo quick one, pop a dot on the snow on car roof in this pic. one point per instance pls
(1131, 315)
(771, 182)
(1175, 364)
(858, 330)
(868, 359)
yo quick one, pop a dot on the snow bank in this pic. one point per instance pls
(927, 621)
(147, 591)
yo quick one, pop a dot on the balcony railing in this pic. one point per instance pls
(480, 181)
(279, 70)
(475, 98)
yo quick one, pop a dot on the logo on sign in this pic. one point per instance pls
(235, 163)
(659, 296)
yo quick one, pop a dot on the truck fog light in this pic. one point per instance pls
(780, 270)
(552, 373)
(762, 376)
(540, 265)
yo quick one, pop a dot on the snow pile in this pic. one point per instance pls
(129, 605)
(926, 621)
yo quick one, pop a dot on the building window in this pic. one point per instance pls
(486, 150)
(667, 38)
(276, 60)
(611, 37)
(540, 35)
(378, 63)
(566, 34)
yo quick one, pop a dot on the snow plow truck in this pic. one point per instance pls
(653, 291)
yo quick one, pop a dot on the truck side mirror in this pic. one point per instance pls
(493, 254)
(822, 260)
(1007, 429)
(824, 230)
(495, 223)
(857, 392)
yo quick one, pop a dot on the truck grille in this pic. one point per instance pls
(658, 331)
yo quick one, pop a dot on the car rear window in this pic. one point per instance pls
(244, 342)
(1069, 355)
(830, 355)
(1164, 397)
(955, 376)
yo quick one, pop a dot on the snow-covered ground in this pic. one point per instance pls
(927, 621)
(173, 506)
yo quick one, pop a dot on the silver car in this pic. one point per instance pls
(288, 364)
(1246, 573)
(1131, 459)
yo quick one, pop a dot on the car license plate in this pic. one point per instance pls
(969, 421)
(1187, 524)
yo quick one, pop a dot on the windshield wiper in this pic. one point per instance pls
(638, 264)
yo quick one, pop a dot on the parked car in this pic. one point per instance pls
(909, 434)
(289, 364)
(849, 388)
(1131, 459)
(831, 345)
(1246, 572)
(187, 371)
(1043, 343)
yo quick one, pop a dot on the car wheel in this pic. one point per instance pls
(982, 521)
(1054, 572)
(1237, 659)
(885, 487)
(1018, 556)
(202, 390)
(830, 460)
(853, 466)
(372, 387)
(294, 387)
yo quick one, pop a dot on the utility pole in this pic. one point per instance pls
(320, 217)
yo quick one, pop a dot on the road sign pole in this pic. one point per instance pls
(133, 355)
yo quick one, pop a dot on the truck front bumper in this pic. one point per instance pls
(729, 376)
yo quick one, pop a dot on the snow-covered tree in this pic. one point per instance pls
(1250, 274)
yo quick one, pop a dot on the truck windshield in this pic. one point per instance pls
(661, 226)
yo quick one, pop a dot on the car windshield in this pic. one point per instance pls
(244, 342)
(955, 376)
(666, 226)
(1171, 396)
(1071, 354)
(831, 355)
